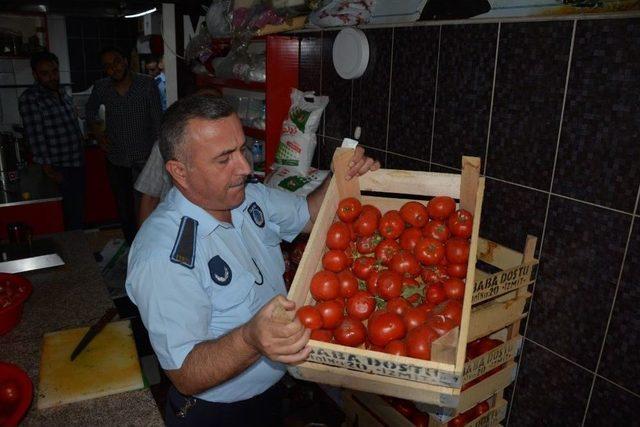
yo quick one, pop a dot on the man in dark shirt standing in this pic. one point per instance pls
(133, 113)
(53, 132)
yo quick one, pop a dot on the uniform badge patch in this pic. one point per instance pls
(220, 271)
(256, 214)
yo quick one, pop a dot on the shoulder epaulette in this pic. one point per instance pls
(184, 248)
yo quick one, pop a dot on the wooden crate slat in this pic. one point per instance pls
(492, 417)
(494, 285)
(358, 415)
(491, 359)
(356, 380)
(411, 182)
(498, 255)
(492, 317)
(382, 409)
(469, 181)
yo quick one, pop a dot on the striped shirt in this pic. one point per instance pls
(51, 126)
(132, 119)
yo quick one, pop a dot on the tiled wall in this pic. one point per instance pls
(552, 108)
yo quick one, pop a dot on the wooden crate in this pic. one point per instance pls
(437, 381)
(500, 297)
(367, 409)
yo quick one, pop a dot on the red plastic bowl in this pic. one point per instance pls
(11, 314)
(11, 415)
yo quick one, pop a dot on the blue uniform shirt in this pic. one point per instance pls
(234, 271)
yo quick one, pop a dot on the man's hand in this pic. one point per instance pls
(269, 336)
(361, 164)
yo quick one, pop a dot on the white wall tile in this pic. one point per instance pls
(7, 79)
(6, 66)
(57, 28)
(9, 102)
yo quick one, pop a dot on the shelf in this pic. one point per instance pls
(255, 133)
(202, 80)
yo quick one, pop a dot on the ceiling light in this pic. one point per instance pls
(137, 15)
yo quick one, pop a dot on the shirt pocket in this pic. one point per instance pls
(271, 240)
(232, 304)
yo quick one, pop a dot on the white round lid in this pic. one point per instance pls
(350, 53)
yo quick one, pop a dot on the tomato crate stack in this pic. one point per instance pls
(437, 381)
(499, 297)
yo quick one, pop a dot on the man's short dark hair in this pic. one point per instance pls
(38, 57)
(112, 49)
(177, 116)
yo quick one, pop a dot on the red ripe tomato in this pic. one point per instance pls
(434, 274)
(409, 238)
(440, 207)
(385, 327)
(352, 253)
(418, 342)
(368, 244)
(420, 419)
(396, 347)
(451, 309)
(429, 251)
(363, 267)
(437, 229)
(457, 251)
(372, 283)
(461, 223)
(349, 209)
(350, 332)
(361, 305)
(373, 209)
(405, 407)
(427, 307)
(325, 286)
(389, 284)
(398, 305)
(414, 317)
(335, 260)
(366, 224)
(435, 293)
(481, 408)
(405, 263)
(458, 421)
(440, 324)
(457, 270)
(352, 230)
(9, 393)
(310, 317)
(331, 312)
(391, 225)
(486, 344)
(324, 335)
(386, 250)
(338, 236)
(348, 283)
(414, 213)
(454, 288)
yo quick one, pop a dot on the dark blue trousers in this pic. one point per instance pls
(72, 190)
(263, 410)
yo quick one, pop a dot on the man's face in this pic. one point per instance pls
(115, 66)
(216, 168)
(47, 74)
(152, 68)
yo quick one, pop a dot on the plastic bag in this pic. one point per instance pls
(218, 18)
(298, 136)
(287, 179)
(341, 13)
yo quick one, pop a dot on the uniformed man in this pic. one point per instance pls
(205, 271)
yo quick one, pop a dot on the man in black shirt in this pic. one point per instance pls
(133, 112)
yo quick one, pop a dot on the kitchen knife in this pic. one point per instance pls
(93, 331)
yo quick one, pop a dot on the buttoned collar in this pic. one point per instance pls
(207, 223)
(43, 90)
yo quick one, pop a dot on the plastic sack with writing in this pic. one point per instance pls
(284, 178)
(298, 136)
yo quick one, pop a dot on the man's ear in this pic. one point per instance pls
(178, 172)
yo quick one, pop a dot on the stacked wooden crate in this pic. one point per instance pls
(494, 300)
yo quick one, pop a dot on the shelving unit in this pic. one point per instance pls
(282, 54)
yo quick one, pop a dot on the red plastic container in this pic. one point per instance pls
(12, 376)
(16, 289)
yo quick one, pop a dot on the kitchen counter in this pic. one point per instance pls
(34, 184)
(66, 297)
